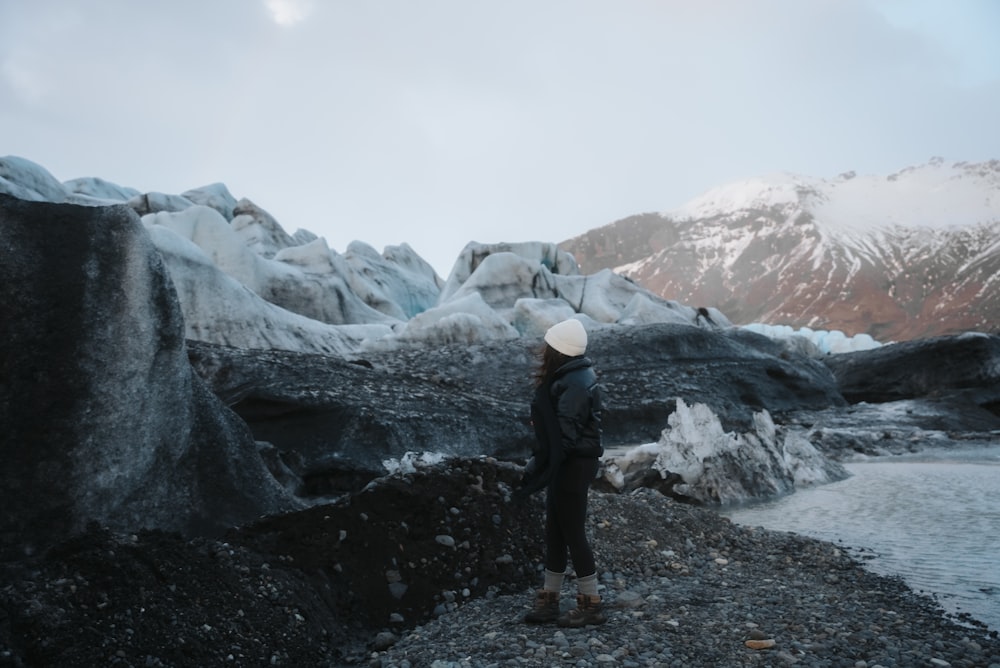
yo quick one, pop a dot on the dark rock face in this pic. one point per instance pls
(964, 367)
(733, 372)
(335, 421)
(932, 393)
(445, 528)
(102, 417)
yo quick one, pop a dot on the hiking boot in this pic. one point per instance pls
(546, 608)
(588, 612)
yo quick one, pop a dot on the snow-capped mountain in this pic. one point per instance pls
(908, 255)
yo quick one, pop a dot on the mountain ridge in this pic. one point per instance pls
(909, 255)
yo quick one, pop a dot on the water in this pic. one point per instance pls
(933, 519)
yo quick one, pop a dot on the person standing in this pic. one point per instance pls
(566, 416)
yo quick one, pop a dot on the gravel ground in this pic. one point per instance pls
(436, 568)
(685, 587)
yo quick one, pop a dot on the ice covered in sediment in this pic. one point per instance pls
(503, 278)
(314, 257)
(512, 294)
(525, 287)
(466, 320)
(399, 279)
(100, 190)
(539, 253)
(641, 310)
(532, 317)
(261, 233)
(611, 298)
(208, 230)
(156, 202)
(303, 236)
(215, 196)
(323, 297)
(219, 309)
(27, 180)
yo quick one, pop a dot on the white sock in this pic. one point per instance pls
(553, 581)
(588, 584)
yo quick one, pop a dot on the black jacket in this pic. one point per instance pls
(566, 414)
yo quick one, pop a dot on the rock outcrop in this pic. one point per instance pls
(103, 418)
(336, 421)
(964, 368)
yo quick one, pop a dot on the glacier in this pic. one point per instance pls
(327, 367)
(243, 281)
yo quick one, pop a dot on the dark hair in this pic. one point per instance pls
(551, 359)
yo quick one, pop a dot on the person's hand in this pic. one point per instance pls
(530, 467)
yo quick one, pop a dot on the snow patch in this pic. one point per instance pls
(827, 342)
(411, 461)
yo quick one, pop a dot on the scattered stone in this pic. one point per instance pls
(384, 641)
(628, 599)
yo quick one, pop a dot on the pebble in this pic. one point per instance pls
(628, 599)
(760, 644)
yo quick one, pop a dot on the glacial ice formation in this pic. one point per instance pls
(720, 467)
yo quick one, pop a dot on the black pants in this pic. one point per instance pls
(565, 515)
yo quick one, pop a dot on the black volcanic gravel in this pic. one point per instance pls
(436, 568)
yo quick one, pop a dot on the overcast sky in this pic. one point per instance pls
(439, 122)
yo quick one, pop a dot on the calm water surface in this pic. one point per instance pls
(933, 519)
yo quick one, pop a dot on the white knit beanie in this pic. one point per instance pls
(568, 337)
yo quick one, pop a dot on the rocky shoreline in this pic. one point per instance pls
(435, 567)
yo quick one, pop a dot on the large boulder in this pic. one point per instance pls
(102, 416)
(963, 368)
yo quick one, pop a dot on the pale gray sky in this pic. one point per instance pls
(438, 122)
